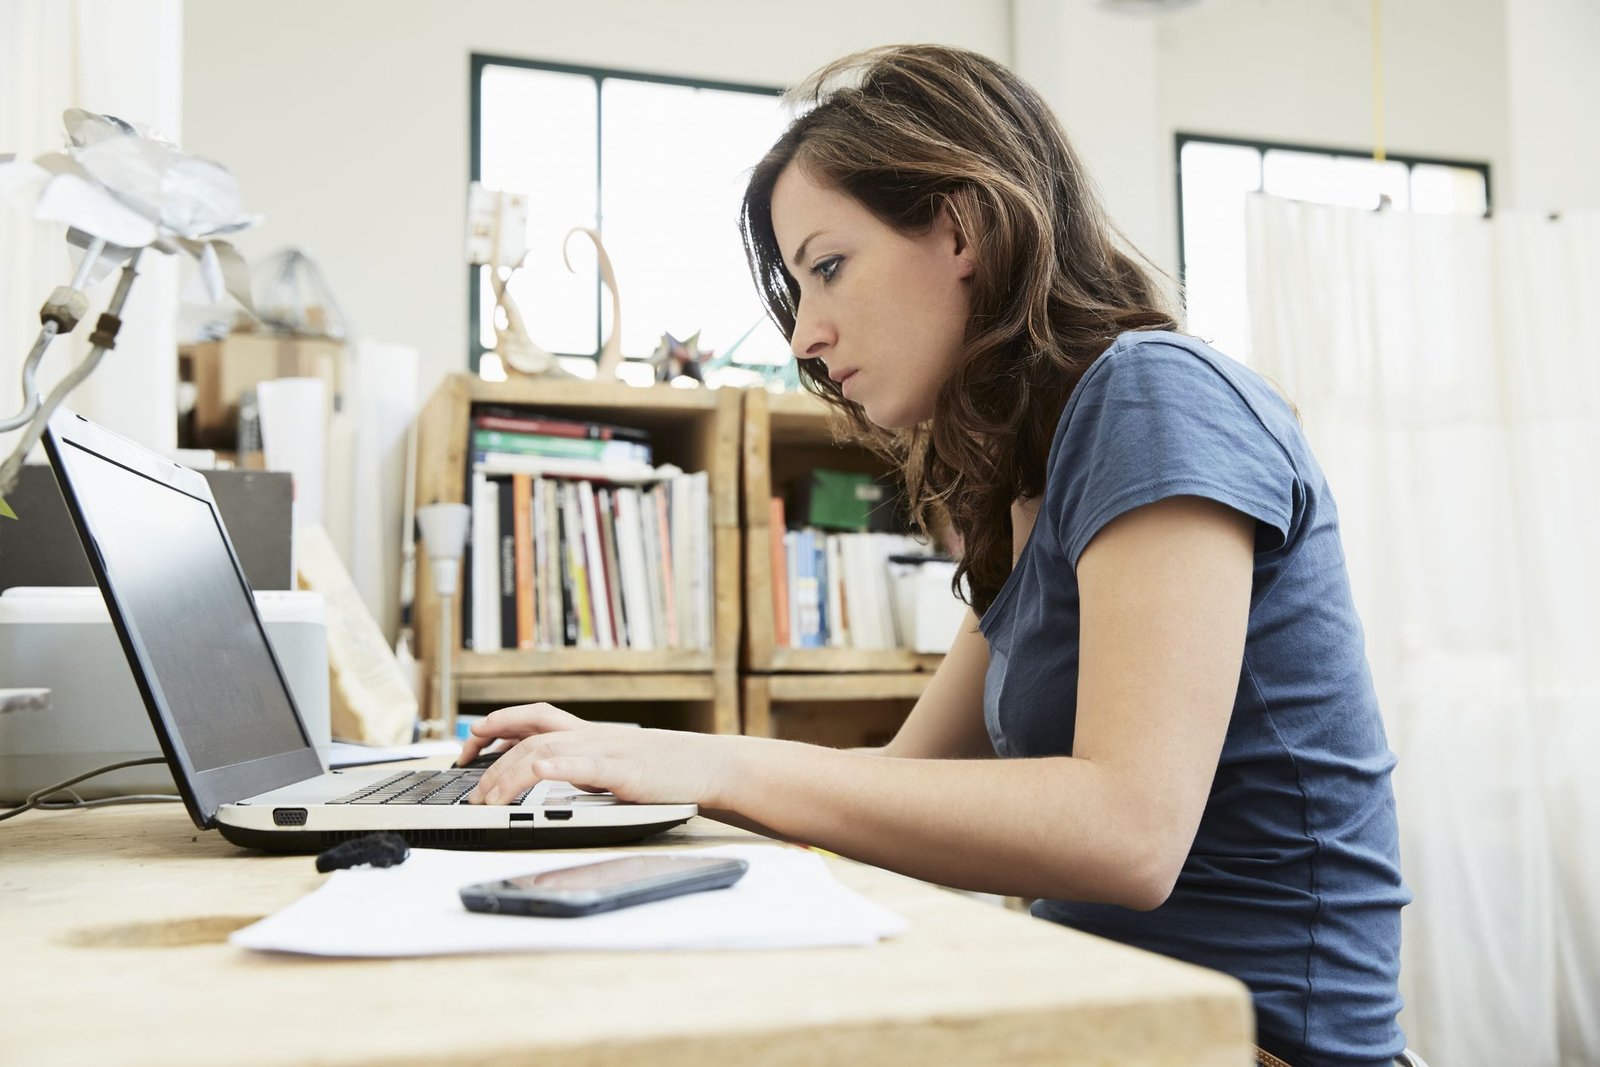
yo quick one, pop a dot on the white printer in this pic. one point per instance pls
(62, 639)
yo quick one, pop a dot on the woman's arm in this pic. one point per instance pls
(1164, 598)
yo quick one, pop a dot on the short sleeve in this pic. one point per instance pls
(1152, 420)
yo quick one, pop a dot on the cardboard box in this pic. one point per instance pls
(224, 370)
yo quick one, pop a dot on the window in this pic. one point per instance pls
(1216, 174)
(657, 166)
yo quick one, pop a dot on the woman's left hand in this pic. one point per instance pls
(643, 766)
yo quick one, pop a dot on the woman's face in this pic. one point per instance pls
(885, 312)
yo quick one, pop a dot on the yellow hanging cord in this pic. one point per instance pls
(1377, 81)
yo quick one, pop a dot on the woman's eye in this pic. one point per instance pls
(827, 268)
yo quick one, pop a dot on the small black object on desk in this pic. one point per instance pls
(383, 849)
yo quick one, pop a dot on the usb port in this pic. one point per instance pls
(558, 815)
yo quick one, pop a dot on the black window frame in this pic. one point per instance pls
(482, 60)
(1181, 138)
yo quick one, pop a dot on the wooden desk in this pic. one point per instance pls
(113, 927)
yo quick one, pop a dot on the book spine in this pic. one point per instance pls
(522, 503)
(635, 583)
(571, 467)
(484, 631)
(791, 556)
(703, 558)
(607, 514)
(838, 624)
(572, 523)
(514, 420)
(594, 559)
(541, 566)
(554, 610)
(659, 513)
(522, 444)
(679, 512)
(508, 565)
(651, 546)
(780, 573)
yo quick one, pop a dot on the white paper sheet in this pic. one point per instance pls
(294, 438)
(787, 899)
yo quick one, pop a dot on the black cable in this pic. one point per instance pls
(36, 800)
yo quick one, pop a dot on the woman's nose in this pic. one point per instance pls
(812, 337)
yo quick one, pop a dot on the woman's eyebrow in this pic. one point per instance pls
(800, 253)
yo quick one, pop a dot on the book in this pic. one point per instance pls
(703, 555)
(483, 629)
(595, 563)
(780, 575)
(606, 511)
(560, 447)
(571, 467)
(572, 528)
(659, 513)
(635, 582)
(678, 514)
(791, 580)
(508, 563)
(568, 600)
(838, 625)
(656, 558)
(520, 420)
(543, 613)
(522, 541)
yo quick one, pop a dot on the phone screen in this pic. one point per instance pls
(613, 874)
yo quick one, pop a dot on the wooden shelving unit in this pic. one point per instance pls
(828, 695)
(696, 429)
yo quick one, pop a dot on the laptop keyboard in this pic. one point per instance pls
(422, 787)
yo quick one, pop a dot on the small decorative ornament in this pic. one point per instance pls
(674, 359)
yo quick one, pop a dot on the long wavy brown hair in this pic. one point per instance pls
(909, 130)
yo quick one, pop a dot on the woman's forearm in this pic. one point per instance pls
(1057, 827)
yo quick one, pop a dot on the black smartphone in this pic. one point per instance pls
(604, 886)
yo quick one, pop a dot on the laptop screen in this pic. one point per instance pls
(179, 591)
(187, 619)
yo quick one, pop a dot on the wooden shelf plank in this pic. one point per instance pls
(583, 687)
(821, 687)
(581, 661)
(851, 660)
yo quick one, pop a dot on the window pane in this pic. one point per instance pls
(538, 137)
(676, 162)
(1448, 190)
(1216, 180)
(1348, 181)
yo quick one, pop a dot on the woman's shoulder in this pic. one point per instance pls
(1167, 367)
(1167, 350)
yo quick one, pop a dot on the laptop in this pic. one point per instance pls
(216, 694)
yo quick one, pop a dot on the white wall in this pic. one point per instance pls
(1271, 70)
(347, 122)
(1554, 102)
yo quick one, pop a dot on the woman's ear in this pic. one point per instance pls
(952, 224)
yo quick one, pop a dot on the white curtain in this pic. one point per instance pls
(1447, 370)
(124, 57)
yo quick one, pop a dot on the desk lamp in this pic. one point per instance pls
(444, 535)
(118, 190)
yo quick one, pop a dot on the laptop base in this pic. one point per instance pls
(491, 839)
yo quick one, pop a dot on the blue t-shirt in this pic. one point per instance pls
(1293, 882)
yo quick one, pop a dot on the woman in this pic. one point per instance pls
(1162, 648)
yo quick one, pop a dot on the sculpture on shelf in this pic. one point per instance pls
(611, 349)
(674, 358)
(515, 347)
